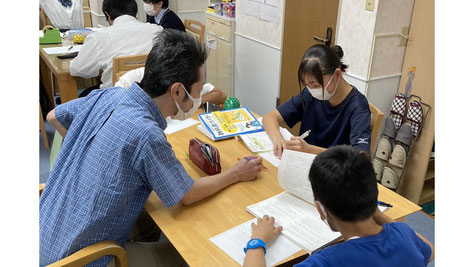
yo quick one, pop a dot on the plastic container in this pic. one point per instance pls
(83, 31)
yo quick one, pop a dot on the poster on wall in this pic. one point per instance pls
(263, 9)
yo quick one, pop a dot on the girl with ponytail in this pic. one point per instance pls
(335, 111)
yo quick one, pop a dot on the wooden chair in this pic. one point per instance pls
(122, 64)
(44, 19)
(195, 28)
(375, 125)
(93, 252)
(43, 129)
(86, 12)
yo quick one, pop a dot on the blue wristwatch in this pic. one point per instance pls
(256, 243)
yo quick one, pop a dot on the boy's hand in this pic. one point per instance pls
(247, 170)
(265, 230)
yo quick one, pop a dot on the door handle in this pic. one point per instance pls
(328, 38)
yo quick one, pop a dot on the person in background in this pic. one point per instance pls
(209, 92)
(63, 14)
(335, 111)
(157, 12)
(125, 37)
(345, 195)
(115, 153)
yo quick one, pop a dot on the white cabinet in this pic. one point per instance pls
(219, 64)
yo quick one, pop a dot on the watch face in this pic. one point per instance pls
(253, 242)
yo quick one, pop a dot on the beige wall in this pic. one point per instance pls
(372, 46)
(355, 31)
(255, 28)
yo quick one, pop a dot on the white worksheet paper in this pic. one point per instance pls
(178, 125)
(234, 240)
(270, 157)
(62, 49)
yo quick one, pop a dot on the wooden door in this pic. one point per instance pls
(304, 19)
(420, 53)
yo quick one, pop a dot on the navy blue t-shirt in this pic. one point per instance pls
(347, 123)
(397, 245)
(169, 21)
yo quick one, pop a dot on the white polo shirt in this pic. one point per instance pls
(136, 75)
(127, 36)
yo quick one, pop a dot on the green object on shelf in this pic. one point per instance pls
(51, 36)
(231, 103)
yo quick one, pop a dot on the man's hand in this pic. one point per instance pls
(265, 230)
(278, 145)
(247, 169)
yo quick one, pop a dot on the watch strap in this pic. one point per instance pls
(256, 243)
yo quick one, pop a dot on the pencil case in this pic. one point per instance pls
(205, 156)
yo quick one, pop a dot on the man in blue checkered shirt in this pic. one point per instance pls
(115, 153)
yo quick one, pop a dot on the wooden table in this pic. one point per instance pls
(60, 69)
(190, 227)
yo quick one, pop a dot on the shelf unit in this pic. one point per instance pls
(428, 192)
(219, 64)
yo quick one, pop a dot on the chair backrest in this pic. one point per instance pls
(375, 125)
(122, 64)
(41, 187)
(86, 12)
(44, 19)
(195, 28)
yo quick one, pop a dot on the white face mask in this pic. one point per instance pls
(149, 9)
(181, 115)
(325, 215)
(318, 92)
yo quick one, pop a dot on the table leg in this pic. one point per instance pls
(67, 88)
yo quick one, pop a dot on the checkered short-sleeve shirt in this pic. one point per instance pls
(114, 154)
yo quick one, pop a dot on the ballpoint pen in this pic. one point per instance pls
(70, 48)
(381, 203)
(304, 135)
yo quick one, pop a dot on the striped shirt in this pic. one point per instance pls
(114, 154)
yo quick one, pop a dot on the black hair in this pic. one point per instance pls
(320, 60)
(343, 180)
(175, 57)
(116, 8)
(165, 2)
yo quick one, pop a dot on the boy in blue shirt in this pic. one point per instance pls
(345, 192)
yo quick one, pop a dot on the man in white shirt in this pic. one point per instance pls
(209, 92)
(125, 37)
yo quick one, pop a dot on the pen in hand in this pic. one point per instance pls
(305, 134)
(251, 158)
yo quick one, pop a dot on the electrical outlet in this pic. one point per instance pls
(369, 5)
(403, 40)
